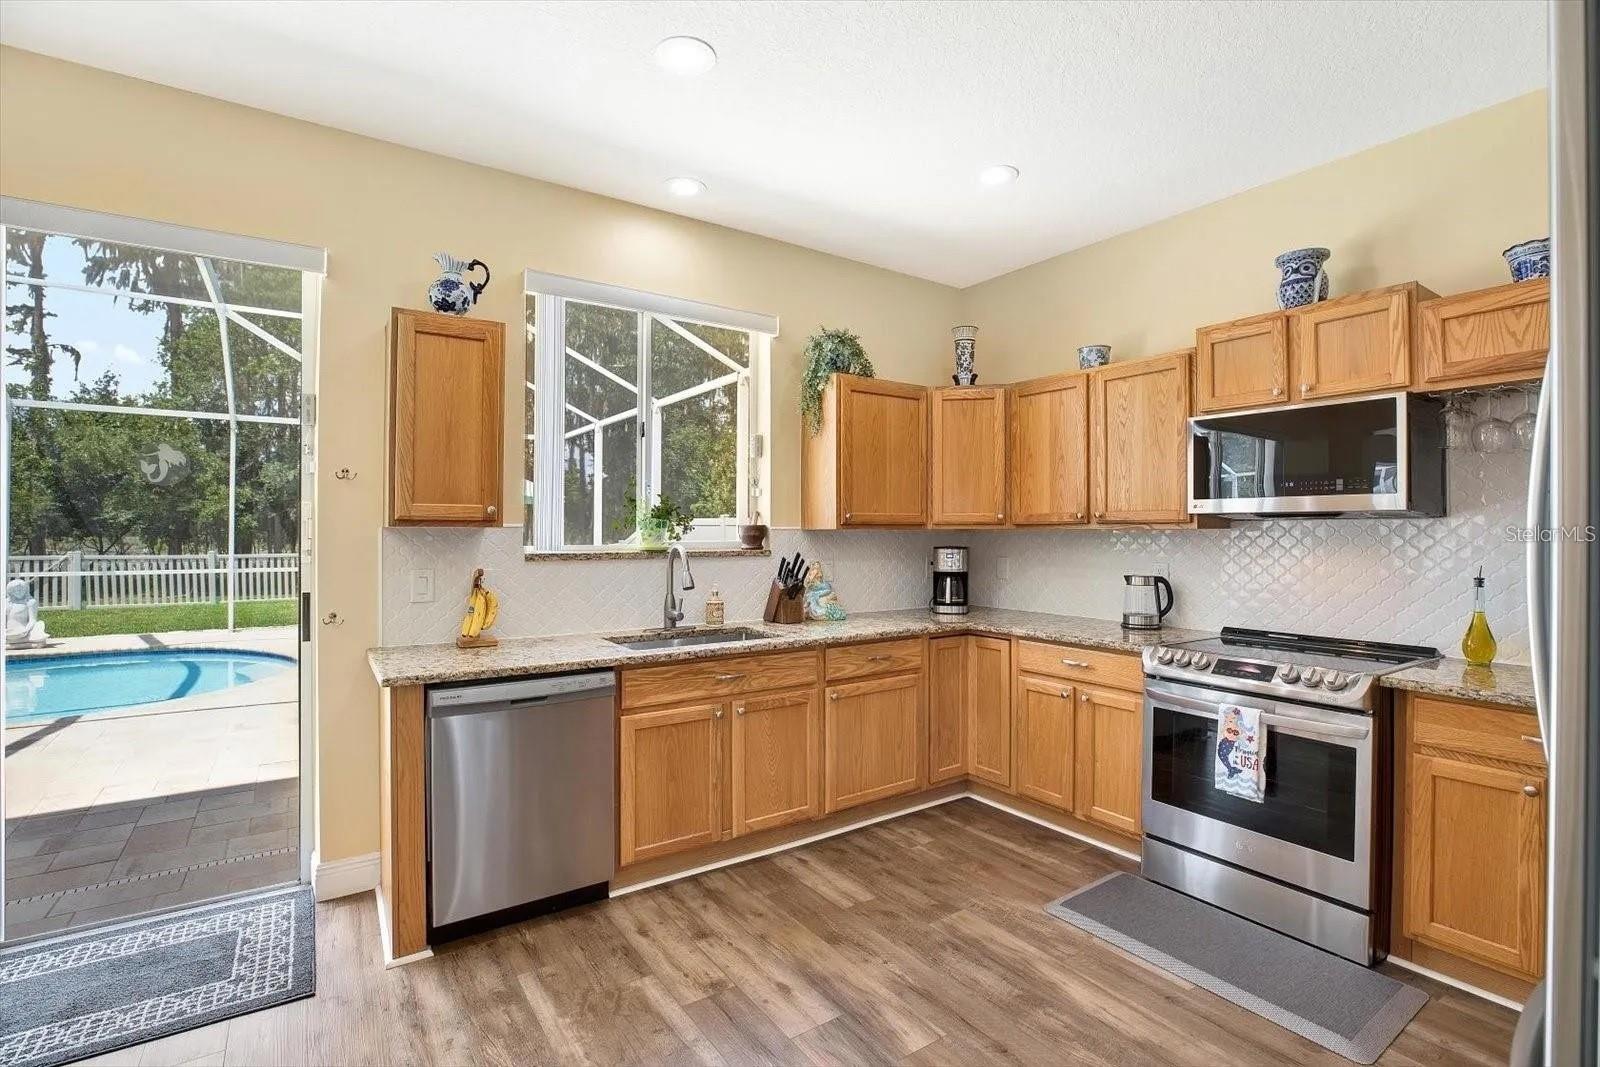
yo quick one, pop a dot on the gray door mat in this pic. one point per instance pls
(1342, 1006)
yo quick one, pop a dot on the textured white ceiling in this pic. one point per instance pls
(851, 127)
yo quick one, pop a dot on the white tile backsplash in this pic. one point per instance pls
(1382, 579)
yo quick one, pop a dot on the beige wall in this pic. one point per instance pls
(73, 135)
(1435, 207)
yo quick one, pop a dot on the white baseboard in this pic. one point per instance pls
(1465, 987)
(1062, 830)
(346, 877)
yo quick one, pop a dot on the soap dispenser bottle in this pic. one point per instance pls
(716, 610)
(1478, 645)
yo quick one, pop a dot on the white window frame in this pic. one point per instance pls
(549, 355)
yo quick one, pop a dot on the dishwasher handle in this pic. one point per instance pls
(523, 692)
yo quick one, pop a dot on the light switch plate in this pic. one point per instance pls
(422, 587)
(1002, 567)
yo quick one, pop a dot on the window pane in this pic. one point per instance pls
(601, 372)
(268, 491)
(699, 450)
(75, 261)
(266, 381)
(620, 487)
(254, 285)
(578, 490)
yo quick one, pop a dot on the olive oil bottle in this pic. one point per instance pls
(1478, 645)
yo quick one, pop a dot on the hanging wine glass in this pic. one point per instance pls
(1493, 434)
(1458, 421)
(1525, 424)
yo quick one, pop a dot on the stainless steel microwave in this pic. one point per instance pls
(1353, 456)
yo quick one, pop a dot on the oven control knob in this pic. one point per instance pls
(1335, 681)
(1289, 673)
(1201, 661)
(1313, 676)
(1182, 659)
(1163, 655)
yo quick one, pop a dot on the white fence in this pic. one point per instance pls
(84, 580)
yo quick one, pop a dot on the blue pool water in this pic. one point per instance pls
(45, 688)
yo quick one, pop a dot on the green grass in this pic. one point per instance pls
(91, 622)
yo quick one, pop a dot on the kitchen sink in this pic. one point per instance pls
(689, 639)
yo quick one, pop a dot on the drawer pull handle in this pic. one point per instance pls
(1531, 790)
(727, 677)
(1075, 663)
(1533, 739)
(880, 656)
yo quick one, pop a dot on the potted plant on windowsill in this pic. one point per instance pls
(662, 524)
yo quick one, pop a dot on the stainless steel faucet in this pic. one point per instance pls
(672, 607)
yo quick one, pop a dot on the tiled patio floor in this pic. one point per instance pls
(111, 815)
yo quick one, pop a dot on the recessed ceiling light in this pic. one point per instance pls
(685, 55)
(999, 174)
(685, 186)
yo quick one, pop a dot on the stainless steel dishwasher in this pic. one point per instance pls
(521, 808)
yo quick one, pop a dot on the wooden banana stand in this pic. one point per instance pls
(483, 607)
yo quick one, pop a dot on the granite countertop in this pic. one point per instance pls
(525, 656)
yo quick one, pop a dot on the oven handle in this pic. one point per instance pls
(1307, 725)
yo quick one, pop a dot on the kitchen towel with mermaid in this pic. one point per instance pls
(1241, 768)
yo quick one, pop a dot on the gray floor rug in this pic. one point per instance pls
(1343, 1007)
(83, 994)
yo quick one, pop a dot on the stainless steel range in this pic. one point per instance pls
(1311, 859)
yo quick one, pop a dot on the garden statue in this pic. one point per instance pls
(23, 628)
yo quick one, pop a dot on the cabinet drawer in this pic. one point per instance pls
(1480, 731)
(681, 683)
(879, 657)
(1114, 669)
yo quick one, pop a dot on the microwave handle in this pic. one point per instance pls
(1307, 726)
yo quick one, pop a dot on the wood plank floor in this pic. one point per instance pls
(921, 940)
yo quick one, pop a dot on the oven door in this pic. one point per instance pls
(1313, 830)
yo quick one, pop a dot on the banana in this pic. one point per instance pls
(472, 625)
(491, 609)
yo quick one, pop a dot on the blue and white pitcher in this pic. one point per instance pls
(450, 293)
(1304, 280)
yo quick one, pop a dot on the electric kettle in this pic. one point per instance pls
(1142, 606)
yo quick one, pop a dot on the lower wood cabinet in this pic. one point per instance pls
(1110, 757)
(947, 709)
(777, 754)
(1044, 740)
(873, 733)
(989, 710)
(670, 780)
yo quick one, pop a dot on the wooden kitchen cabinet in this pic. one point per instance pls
(446, 429)
(776, 769)
(1486, 337)
(868, 465)
(969, 457)
(1045, 736)
(989, 710)
(873, 740)
(1139, 426)
(1049, 451)
(670, 778)
(1361, 343)
(1110, 758)
(1242, 364)
(947, 709)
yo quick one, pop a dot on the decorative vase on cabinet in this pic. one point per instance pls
(1304, 280)
(451, 293)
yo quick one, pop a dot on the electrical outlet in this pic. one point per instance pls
(422, 587)
(1002, 567)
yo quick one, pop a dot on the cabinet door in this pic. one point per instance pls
(1110, 758)
(947, 708)
(1139, 440)
(1484, 338)
(883, 452)
(873, 740)
(446, 430)
(989, 710)
(969, 457)
(670, 780)
(1356, 344)
(1243, 364)
(777, 755)
(1044, 740)
(1049, 461)
(1475, 869)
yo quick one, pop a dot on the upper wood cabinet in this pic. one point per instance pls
(1110, 733)
(872, 737)
(446, 422)
(1139, 426)
(1485, 338)
(1044, 740)
(777, 760)
(1360, 343)
(868, 465)
(947, 709)
(670, 780)
(969, 457)
(1049, 451)
(1242, 364)
(989, 709)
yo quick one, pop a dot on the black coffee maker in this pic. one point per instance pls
(949, 581)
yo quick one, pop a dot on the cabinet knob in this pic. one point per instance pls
(1531, 790)
(999, 514)
(1066, 694)
(849, 515)
(833, 696)
(491, 511)
(1277, 390)
(1099, 515)
(1084, 697)
(1305, 387)
(739, 710)
(1079, 516)
(717, 714)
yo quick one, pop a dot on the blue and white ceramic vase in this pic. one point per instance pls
(966, 355)
(1304, 280)
(1530, 259)
(1092, 356)
(452, 294)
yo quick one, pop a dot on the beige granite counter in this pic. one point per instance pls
(430, 664)
(520, 657)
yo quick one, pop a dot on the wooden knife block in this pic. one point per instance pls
(783, 608)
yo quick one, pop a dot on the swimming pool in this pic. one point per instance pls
(51, 687)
